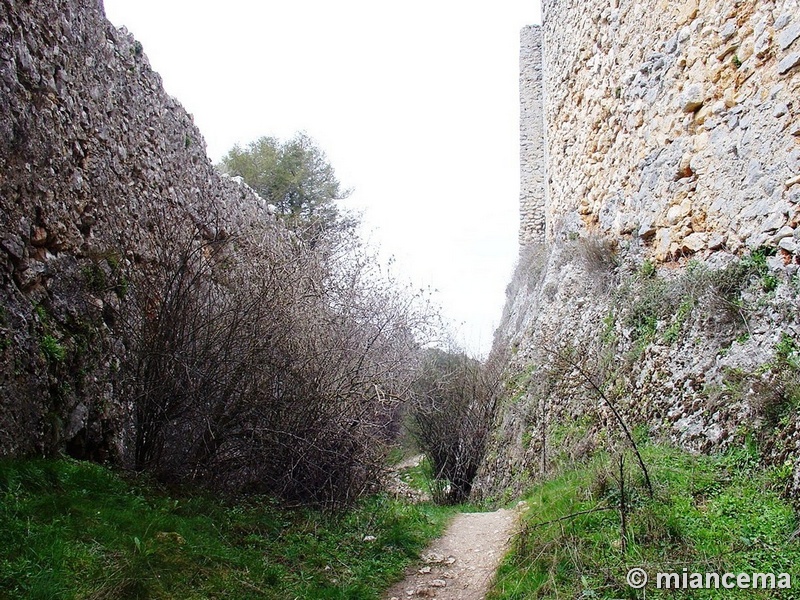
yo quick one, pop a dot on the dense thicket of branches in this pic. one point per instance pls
(263, 364)
(454, 407)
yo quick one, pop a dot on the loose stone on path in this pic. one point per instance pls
(461, 564)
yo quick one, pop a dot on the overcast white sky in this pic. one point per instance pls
(415, 104)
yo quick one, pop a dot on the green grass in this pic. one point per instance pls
(52, 349)
(78, 530)
(422, 478)
(708, 514)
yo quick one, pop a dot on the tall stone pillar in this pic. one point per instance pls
(531, 133)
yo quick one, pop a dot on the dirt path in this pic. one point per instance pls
(411, 461)
(398, 487)
(461, 564)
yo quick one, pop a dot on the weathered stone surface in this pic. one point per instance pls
(98, 168)
(780, 110)
(784, 232)
(682, 120)
(629, 102)
(783, 20)
(716, 241)
(688, 11)
(774, 221)
(788, 36)
(531, 124)
(789, 244)
(647, 230)
(788, 63)
(728, 30)
(678, 212)
(692, 98)
(694, 242)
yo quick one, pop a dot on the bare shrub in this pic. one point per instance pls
(598, 254)
(455, 402)
(269, 367)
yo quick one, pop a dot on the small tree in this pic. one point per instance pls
(594, 372)
(296, 177)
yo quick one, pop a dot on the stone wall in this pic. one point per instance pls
(101, 173)
(531, 137)
(674, 123)
(672, 167)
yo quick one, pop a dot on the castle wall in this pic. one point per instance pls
(672, 150)
(676, 124)
(102, 176)
(531, 134)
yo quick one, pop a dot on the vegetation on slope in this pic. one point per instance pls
(709, 514)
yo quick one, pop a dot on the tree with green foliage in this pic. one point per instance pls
(296, 177)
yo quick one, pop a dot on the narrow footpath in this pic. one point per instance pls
(461, 564)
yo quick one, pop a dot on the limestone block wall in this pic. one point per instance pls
(674, 122)
(531, 134)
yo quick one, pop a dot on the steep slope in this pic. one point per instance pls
(664, 284)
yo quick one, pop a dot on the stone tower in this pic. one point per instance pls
(531, 133)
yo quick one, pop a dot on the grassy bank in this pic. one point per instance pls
(708, 514)
(77, 530)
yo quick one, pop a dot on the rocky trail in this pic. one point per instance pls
(461, 564)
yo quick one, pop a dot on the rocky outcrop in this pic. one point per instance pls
(100, 170)
(669, 261)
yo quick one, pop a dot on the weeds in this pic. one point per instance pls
(672, 333)
(709, 514)
(529, 268)
(786, 352)
(731, 281)
(661, 305)
(600, 259)
(52, 349)
(599, 254)
(647, 269)
(105, 273)
(95, 277)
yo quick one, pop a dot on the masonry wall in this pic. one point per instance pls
(531, 135)
(102, 176)
(672, 152)
(675, 124)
